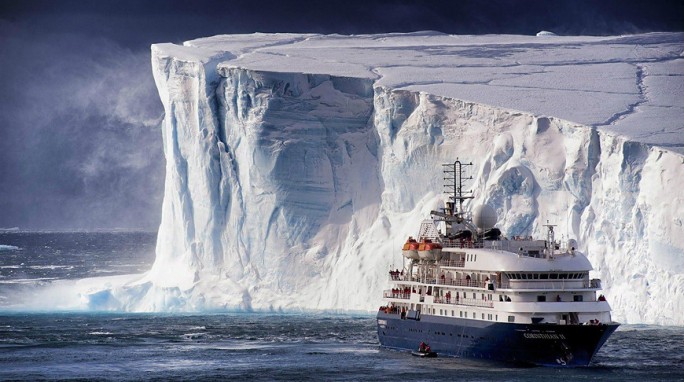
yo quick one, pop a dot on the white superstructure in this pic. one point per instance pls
(519, 280)
(481, 275)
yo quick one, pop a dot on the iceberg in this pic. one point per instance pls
(296, 164)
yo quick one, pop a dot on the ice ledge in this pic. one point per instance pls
(613, 83)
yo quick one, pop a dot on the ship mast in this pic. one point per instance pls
(550, 240)
(454, 176)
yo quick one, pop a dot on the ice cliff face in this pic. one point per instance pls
(287, 190)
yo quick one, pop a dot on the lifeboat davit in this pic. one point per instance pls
(463, 235)
(436, 250)
(492, 234)
(410, 249)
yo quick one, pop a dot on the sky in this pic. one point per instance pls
(80, 117)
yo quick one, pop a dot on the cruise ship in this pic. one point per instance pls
(467, 291)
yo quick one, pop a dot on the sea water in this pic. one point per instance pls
(244, 346)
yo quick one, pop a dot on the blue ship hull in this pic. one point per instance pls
(530, 344)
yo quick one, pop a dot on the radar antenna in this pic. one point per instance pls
(454, 176)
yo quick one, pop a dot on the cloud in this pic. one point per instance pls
(80, 144)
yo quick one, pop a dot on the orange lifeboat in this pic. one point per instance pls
(424, 250)
(410, 249)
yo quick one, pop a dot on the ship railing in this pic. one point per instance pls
(404, 278)
(399, 295)
(458, 243)
(390, 310)
(451, 263)
(464, 301)
(440, 281)
(413, 279)
(461, 282)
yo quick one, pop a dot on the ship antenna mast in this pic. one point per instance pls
(550, 240)
(454, 175)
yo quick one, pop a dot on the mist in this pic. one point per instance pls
(80, 144)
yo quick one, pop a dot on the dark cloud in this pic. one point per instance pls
(80, 145)
(132, 22)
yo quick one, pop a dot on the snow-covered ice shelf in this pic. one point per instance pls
(595, 81)
(297, 164)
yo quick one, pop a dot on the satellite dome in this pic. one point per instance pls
(484, 217)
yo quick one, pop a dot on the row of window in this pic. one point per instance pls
(576, 298)
(462, 314)
(546, 276)
(487, 297)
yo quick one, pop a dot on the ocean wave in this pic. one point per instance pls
(37, 280)
(4, 247)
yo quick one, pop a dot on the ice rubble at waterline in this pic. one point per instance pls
(298, 164)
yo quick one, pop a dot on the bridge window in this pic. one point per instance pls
(544, 276)
(511, 318)
(554, 276)
(541, 298)
(578, 298)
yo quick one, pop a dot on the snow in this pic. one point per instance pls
(588, 80)
(298, 164)
(545, 34)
